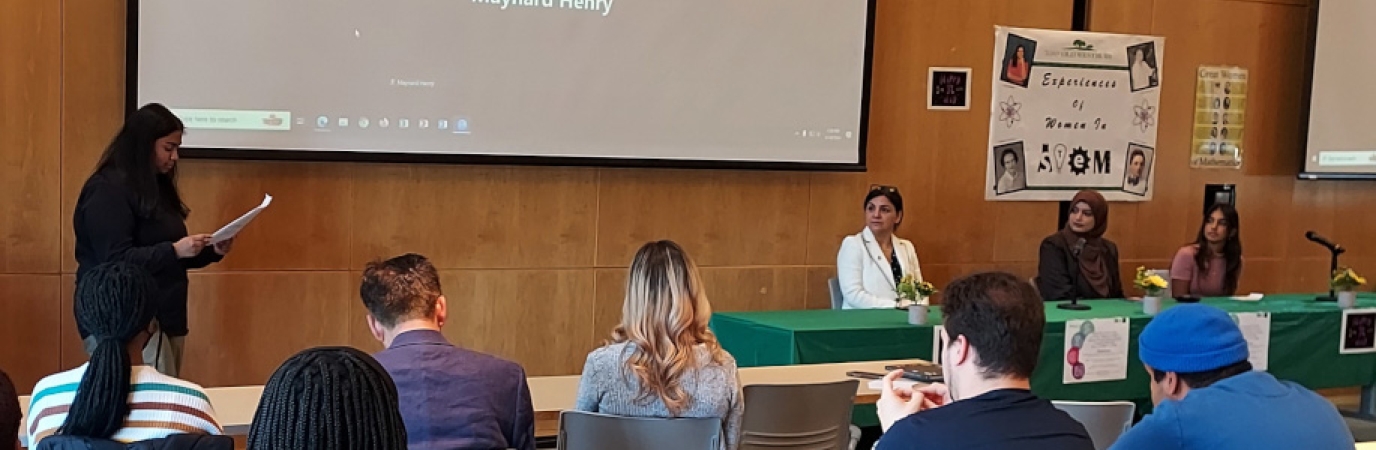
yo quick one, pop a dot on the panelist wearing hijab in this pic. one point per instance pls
(872, 262)
(1077, 262)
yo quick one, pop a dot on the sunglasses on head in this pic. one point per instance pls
(883, 188)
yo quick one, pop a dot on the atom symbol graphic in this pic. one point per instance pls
(1144, 115)
(1009, 112)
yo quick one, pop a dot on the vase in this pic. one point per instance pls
(1151, 305)
(1347, 299)
(917, 314)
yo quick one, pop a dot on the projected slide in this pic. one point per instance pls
(700, 80)
(1341, 139)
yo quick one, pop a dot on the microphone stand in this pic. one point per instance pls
(1074, 304)
(1332, 267)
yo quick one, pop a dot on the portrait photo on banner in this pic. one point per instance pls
(1018, 59)
(1137, 175)
(1143, 66)
(1012, 168)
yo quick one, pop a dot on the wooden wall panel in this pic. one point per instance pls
(610, 286)
(722, 218)
(30, 93)
(92, 103)
(818, 287)
(756, 289)
(835, 210)
(306, 228)
(243, 325)
(73, 352)
(541, 318)
(31, 325)
(475, 217)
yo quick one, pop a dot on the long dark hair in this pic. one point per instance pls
(328, 398)
(114, 301)
(1232, 246)
(129, 160)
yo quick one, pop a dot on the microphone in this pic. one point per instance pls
(1074, 304)
(1315, 238)
(1335, 250)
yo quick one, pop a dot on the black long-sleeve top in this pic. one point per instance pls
(110, 227)
(1057, 268)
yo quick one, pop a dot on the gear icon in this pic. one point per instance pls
(1079, 161)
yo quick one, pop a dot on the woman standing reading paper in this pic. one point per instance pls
(129, 210)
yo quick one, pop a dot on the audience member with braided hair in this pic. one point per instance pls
(328, 398)
(114, 395)
(9, 409)
(662, 360)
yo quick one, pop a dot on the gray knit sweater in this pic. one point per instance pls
(609, 387)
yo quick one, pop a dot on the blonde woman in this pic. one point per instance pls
(662, 361)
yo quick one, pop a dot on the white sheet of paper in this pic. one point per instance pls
(937, 345)
(1358, 331)
(233, 228)
(1095, 350)
(1256, 328)
(1253, 297)
(878, 385)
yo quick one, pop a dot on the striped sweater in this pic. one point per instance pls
(159, 406)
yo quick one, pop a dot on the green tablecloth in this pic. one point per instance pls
(1304, 342)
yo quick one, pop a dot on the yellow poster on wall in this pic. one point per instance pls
(1220, 104)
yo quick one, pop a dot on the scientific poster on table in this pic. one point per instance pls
(1096, 350)
(1070, 111)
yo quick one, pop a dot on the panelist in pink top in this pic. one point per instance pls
(1211, 266)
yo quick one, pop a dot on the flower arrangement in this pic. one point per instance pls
(915, 291)
(1345, 279)
(1149, 282)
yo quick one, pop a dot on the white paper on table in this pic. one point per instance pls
(937, 345)
(233, 228)
(1358, 331)
(1253, 297)
(878, 385)
(1101, 353)
(1256, 328)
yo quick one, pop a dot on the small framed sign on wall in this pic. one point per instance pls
(948, 88)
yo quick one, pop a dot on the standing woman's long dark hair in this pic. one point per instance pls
(129, 160)
(328, 398)
(114, 302)
(1232, 247)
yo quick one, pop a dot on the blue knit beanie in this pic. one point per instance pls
(1191, 338)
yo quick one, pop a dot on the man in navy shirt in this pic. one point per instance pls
(1208, 396)
(993, 330)
(451, 398)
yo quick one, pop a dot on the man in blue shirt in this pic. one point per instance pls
(993, 329)
(451, 398)
(1208, 397)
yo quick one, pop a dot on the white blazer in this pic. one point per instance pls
(864, 273)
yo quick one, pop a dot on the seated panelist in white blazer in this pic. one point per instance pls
(871, 263)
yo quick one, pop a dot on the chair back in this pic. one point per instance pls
(592, 431)
(798, 416)
(837, 298)
(1105, 421)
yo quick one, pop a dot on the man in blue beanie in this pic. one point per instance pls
(1208, 396)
